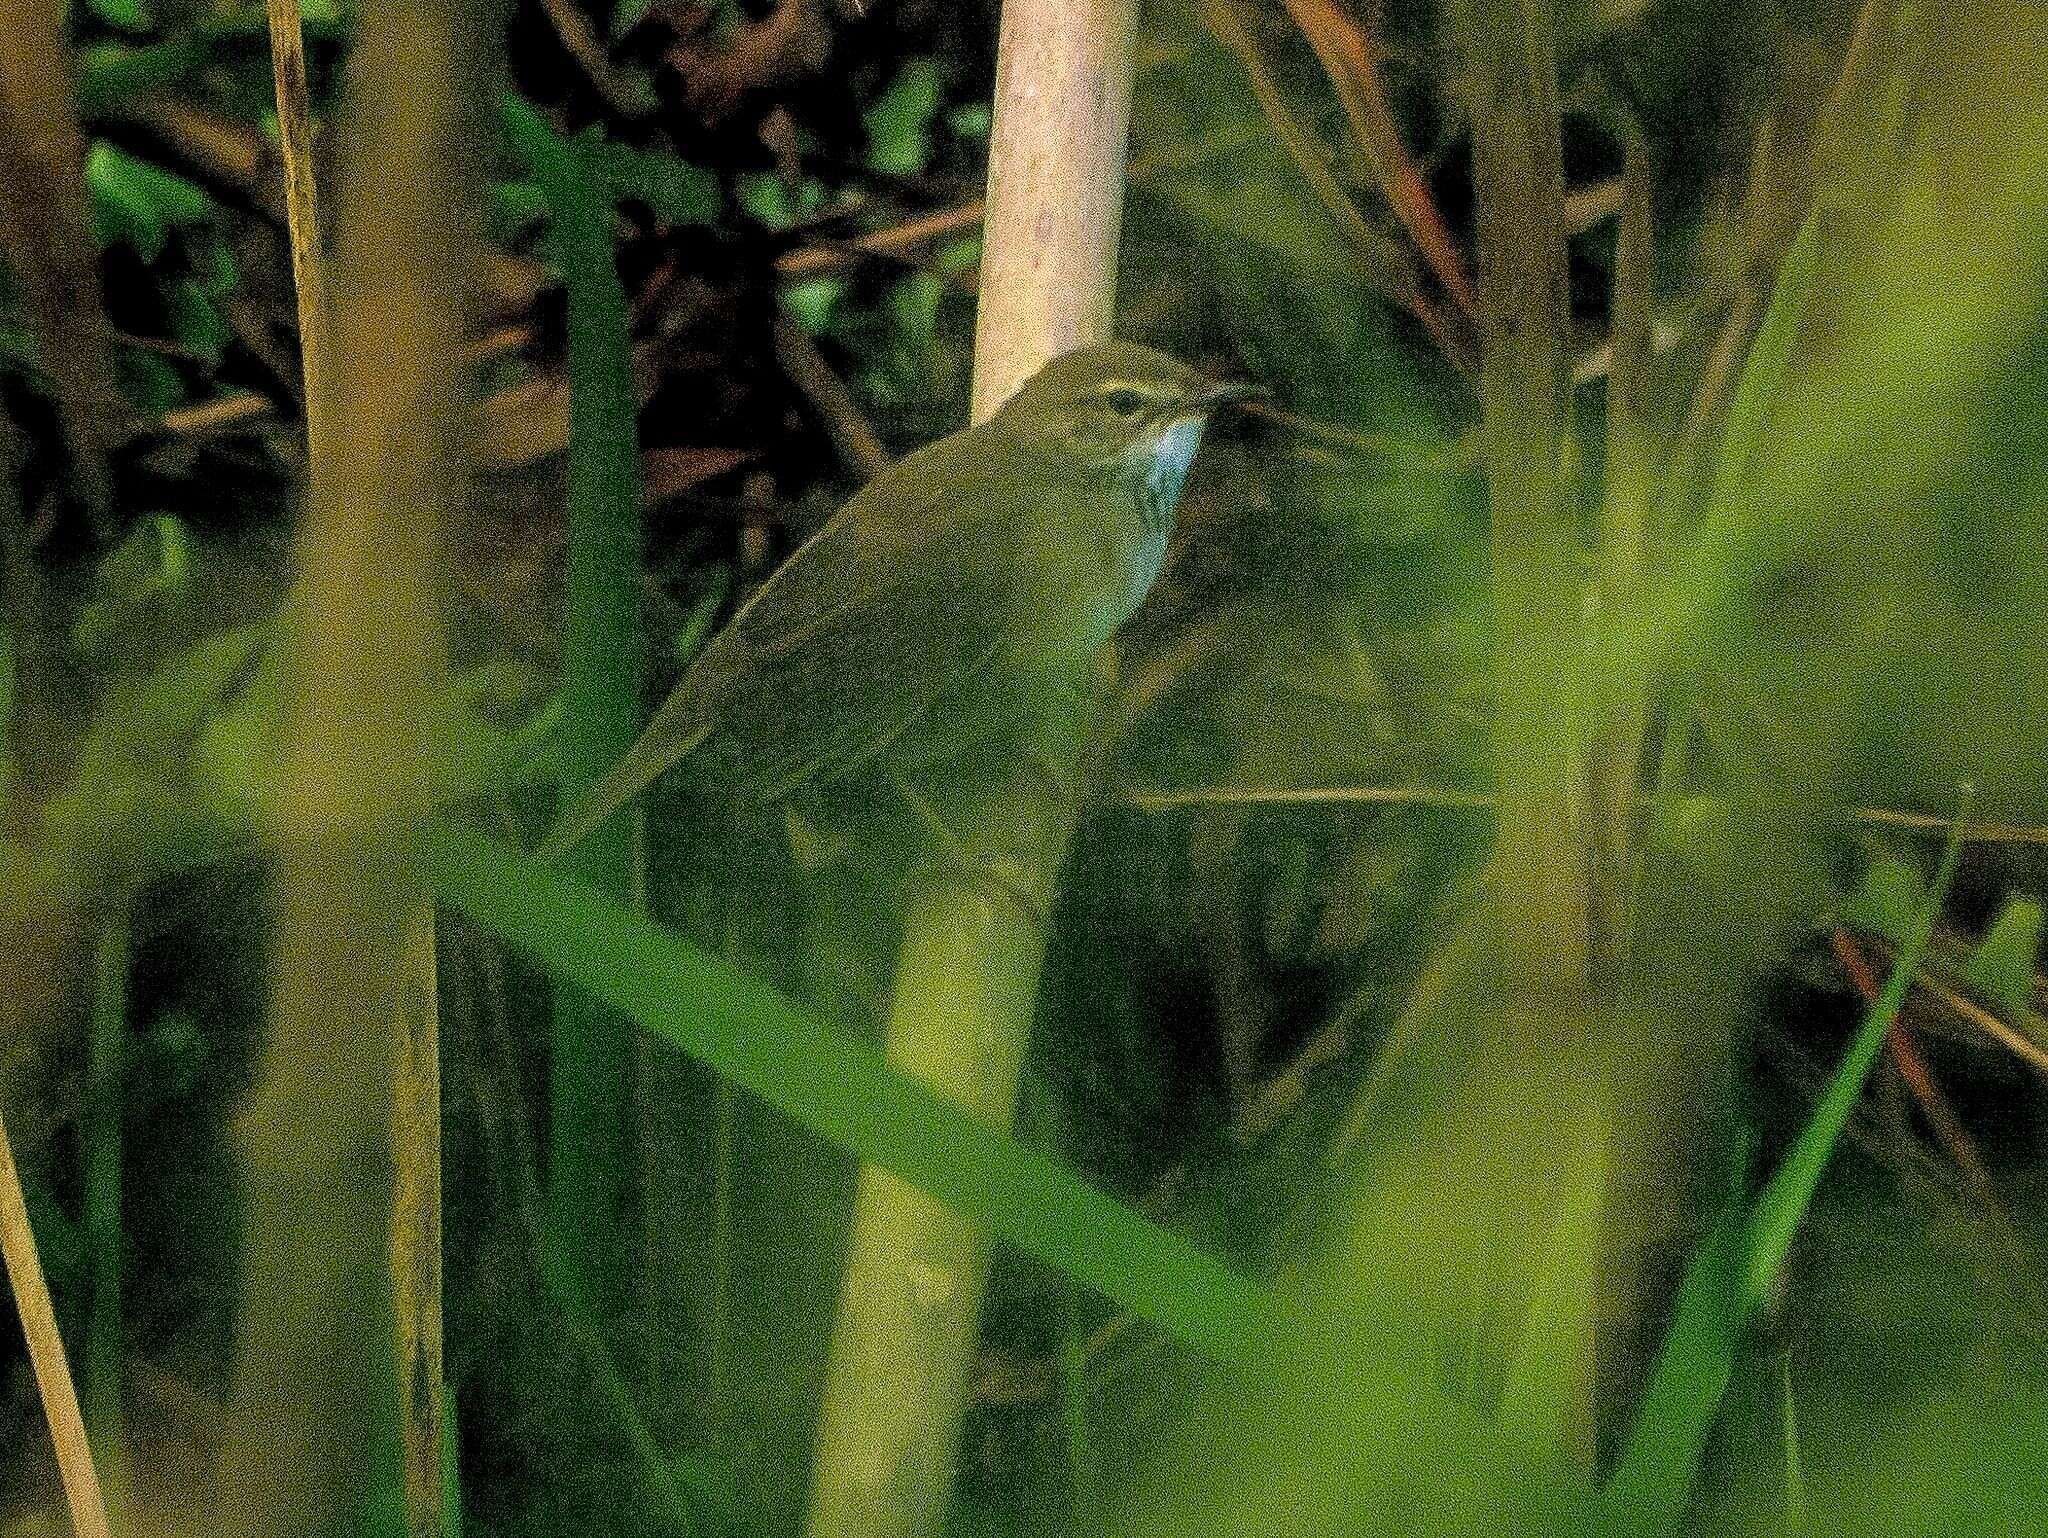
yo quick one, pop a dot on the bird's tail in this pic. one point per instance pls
(645, 762)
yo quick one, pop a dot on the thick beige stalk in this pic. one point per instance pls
(1542, 864)
(967, 977)
(316, 1394)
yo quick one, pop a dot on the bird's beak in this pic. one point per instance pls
(1225, 392)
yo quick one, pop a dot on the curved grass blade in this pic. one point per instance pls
(1734, 1270)
(845, 1091)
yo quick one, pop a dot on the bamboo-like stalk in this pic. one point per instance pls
(1542, 865)
(424, 1424)
(967, 976)
(1540, 1046)
(46, 1353)
(315, 1401)
(416, 1093)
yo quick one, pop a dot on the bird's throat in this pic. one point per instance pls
(1160, 465)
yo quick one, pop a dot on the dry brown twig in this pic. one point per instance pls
(46, 1353)
(860, 449)
(1351, 61)
(1388, 265)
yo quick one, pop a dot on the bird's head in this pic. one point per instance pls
(1120, 409)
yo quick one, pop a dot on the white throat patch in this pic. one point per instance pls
(1166, 460)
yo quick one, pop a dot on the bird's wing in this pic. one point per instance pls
(909, 590)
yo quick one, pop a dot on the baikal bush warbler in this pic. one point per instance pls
(958, 596)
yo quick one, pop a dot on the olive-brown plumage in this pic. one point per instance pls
(953, 597)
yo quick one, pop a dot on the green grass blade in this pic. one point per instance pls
(1795, 1463)
(844, 1090)
(101, 1135)
(1763, 372)
(1734, 1269)
(1782, 1206)
(602, 671)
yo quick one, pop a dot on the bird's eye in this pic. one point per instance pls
(1124, 401)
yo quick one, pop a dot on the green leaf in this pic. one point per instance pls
(627, 15)
(516, 206)
(196, 321)
(215, 268)
(148, 381)
(1888, 900)
(958, 256)
(110, 74)
(899, 125)
(813, 302)
(970, 120)
(132, 806)
(128, 15)
(914, 302)
(2002, 968)
(1764, 370)
(602, 646)
(765, 196)
(603, 663)
(674, 191)
(136, 202)
(154, 562)
(1539, 1394)
(844, 1090)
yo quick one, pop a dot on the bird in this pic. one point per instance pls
(957, 596)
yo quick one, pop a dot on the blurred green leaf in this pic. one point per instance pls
(1763, 373)
(914, 304)
(766, 197)
(138, 203)
(1540, 1398)
(516, 206)
(153, 563)
(1735, 1269)
(970, 120)
(2003, 967)
(1889, 898)
(674, 191)
(128, 15)
(813, 302)
(148, 381)
(899, 125)
(469, 753)
(628, 14)
(110, 74)
(196, 321)
(133, 804)
(958, 256)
